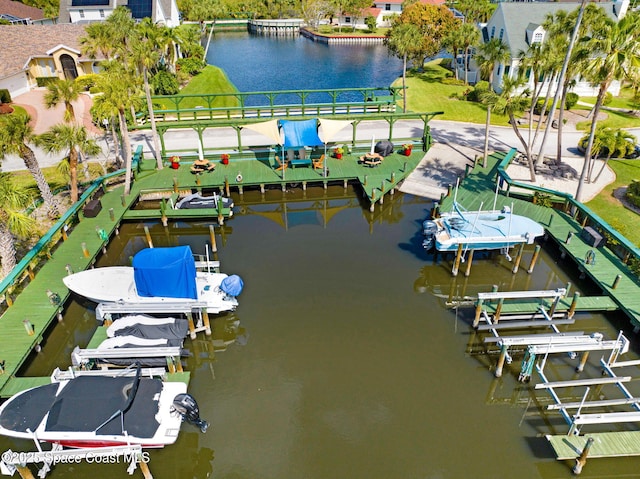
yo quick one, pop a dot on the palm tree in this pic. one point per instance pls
(617, 143)
(66, 92)
(510, 102)
(145, 55)
(490, 53)
(403, 40)
(453, 42)
(120, 92)
(15, 134)
(13, 221)
(470, 36)
(616, 50)
(72, 139)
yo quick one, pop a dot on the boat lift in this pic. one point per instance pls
(82, 358)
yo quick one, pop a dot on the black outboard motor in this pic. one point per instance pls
(429, 230)
(187, 407)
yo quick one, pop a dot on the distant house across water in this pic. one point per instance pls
(382, 10)
(163, 12)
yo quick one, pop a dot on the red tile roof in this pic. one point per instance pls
(18, 43)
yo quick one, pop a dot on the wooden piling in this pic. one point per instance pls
(534, 258)
(85, 251)
(496, 315)
(582, 459)
(226, 186)
(192, 326)
(501, 359)
(112, 215)
(616, 281)
(583, 361)
(148, 235)
(205, 321)
(516, 264)
(212, 236)
(175, 185)
(476, 320)
(144, 467)
(467, 271)
(574, 304)
(569, 236)
(24, 471)
(456, 264)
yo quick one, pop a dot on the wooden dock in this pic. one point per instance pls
(605, 444)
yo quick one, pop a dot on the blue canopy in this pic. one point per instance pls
(300, 133)
(165, 272)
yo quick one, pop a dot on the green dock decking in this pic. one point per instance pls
(584, 303)
(479, 188)
(605, 444)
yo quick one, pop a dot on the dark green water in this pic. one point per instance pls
(341, 362)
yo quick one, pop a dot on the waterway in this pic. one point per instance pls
(259, 63)
(341, 360)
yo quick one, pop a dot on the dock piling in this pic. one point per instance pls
(534, 258)
(212, 236)
(574, 304)
(467, 271)
(148, 235)
(28, 327)
(175, 184)
(516, 264)
(501, 359)
(582, 459)
(112, 215)
(583, 361)
(569, 236)
(456, 264)
(616, 281)
(85, 251)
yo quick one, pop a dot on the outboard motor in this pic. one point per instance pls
(429, 229)
(187, 407)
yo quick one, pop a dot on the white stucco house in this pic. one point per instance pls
(164, 12)
(519, 24)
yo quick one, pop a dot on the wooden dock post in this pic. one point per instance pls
(212, 236)
(144, 467)
(175, 184)
(148, 235)
(456, 264)
(496, 315)
(85, 251)
(516, 264)
(583, 361)
(569, 236)
(582, 459)
(574, 303)
(501, 359)
(476, 320)
(24, 471)
(192, 326)
(207, 324)
(616, 281)
(534, 258)
(467, 271)
(226, 186)
(112, 215)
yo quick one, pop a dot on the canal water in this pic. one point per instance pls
(341, 360)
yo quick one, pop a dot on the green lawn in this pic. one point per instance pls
(211, 80)
(426, 92)
(609, 209)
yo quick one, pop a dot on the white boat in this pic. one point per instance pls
(159, 276)
(197, 200)
(100, 411)
(479, 230)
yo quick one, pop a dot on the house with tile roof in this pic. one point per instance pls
(382, 10)
(29, 53)
(162, 12)
(17, 13)
(519, 24)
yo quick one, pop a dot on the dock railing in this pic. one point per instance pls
(585, 217)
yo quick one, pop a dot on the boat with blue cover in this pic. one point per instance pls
(159, 276)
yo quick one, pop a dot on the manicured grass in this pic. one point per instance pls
(609, 209)
(615, 119)
(427, 92)
(211, 80)
(624, 100)
(55, 179)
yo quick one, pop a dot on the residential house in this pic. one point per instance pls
(30, 52)
(163, 12)
(18, 13)
(382, 10)
(519, 24)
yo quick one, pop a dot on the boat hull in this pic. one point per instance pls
(116, 284)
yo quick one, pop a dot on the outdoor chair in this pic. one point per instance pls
(281, 165)
(318, 163)
(302, 153)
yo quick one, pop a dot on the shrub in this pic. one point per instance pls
(164, 83)
(633, 193)
(571, 100)
(370, 21)
(478, 90)
(5, 96)
(87, 81)
(539, 105)
(44, 81)
(191, 65)
(608, 97)
(451, 81)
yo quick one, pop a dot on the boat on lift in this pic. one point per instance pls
(159, 277)
(197, 200)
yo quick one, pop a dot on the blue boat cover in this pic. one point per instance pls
(166, 272)
(300, 133)
(232, 285)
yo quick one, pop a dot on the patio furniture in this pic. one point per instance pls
(371, 159)
(318, 163)
(281, 165)
(200, 166)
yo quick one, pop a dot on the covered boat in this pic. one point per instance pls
(159, 276)
(97, 411)
(196, 200)
(479, 230)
